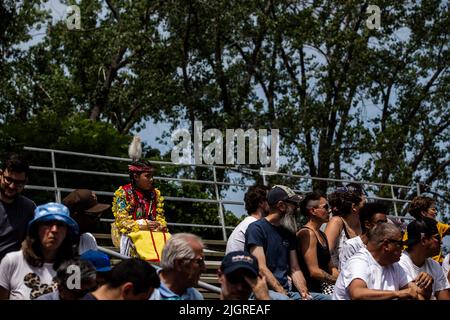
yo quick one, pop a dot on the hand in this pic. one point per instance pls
(148, 225)
(423, 280)
(259, 287)
(425, 283)
(305, 294)
(142, 223)
(153, 225)
(303, 290)
(414, 292)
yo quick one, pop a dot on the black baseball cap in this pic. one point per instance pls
(283, 193)
(239, 260)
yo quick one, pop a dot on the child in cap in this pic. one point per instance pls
(86, 211)
(101, 262)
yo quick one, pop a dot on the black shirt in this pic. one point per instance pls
(14, 218)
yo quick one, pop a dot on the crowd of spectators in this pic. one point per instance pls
(348, 249)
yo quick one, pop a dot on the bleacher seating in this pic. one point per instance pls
(214, 253)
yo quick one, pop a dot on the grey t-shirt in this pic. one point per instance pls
(14, 218)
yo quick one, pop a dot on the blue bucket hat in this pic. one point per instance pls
(53, 211)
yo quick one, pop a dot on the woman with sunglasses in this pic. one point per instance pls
(345, 224)
(313, 252)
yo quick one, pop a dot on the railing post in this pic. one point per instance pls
(221, 217)
(395, 203)
(418, 188)
(264, 178)
(55, 179)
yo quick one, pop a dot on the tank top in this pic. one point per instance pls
(323, 258)
(343, 236)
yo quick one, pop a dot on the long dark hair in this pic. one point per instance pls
(32, 249)
(342, 200)
(150, 194)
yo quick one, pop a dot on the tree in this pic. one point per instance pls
(350, 101)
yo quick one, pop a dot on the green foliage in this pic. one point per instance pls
(75, 133)
(350, 102)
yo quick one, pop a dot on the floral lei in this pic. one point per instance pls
(159, 202)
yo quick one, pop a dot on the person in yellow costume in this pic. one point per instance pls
(138, 206)
(422, 206)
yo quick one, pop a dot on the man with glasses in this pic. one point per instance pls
(272, 241)
(373, 273)
(182, 263)
(16, 210)
(423, 243)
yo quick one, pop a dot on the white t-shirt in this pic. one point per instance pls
(87, 242)
(446, 265)
(23, 281)
(349, 248)
(236, 242)
(363, 266)
(433, 268)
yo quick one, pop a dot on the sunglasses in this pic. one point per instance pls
(342, 189)
(200, 261)
(326, 207)
(351, 189)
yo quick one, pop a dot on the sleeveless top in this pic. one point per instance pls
(323, 258)
(343, 236)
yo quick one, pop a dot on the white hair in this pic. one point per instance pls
(178, 247)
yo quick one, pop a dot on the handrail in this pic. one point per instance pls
(201, 284)
(180, 224)
(57, 189)
(261, 171)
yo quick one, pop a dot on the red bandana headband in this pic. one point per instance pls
(140, 168)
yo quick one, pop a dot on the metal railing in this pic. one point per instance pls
(218, 199)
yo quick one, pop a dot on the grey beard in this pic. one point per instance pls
(288, 221)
